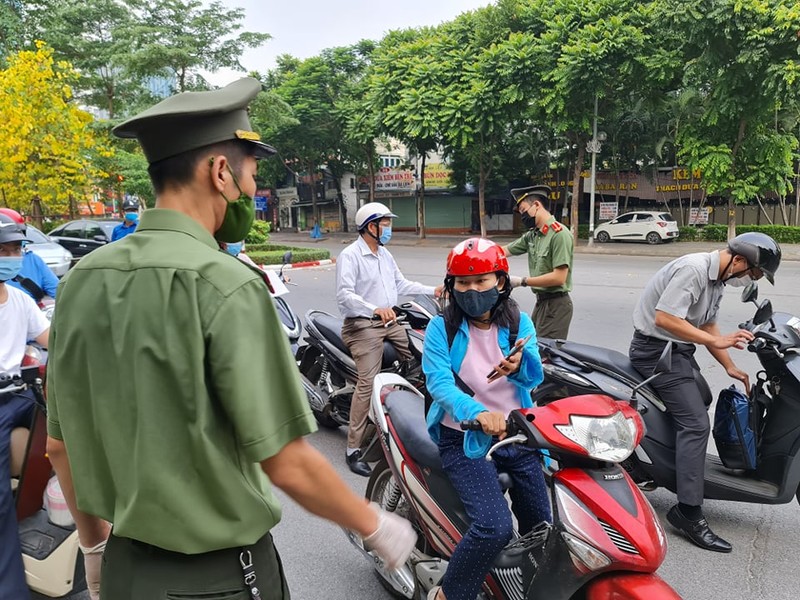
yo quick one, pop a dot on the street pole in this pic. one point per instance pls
(593, 148)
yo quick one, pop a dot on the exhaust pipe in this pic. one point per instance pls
(315, 399)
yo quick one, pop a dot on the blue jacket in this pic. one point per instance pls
(35, 269)
(439, 364)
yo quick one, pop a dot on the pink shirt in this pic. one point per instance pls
(483, 354)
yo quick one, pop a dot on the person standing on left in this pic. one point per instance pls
(20, 321)
(549, 247)
(130, 210)
(368, 283)
(183, 453)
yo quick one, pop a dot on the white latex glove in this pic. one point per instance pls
(393, 540)
(515, 281)
(92, 562)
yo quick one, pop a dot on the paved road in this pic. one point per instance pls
(320, 563)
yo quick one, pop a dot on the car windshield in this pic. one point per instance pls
(108, 227)
(35, 236)
(666, 217)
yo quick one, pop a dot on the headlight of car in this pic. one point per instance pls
(611, 439)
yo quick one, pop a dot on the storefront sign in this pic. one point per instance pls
(394, 180)
(699, 216)
(437, 176)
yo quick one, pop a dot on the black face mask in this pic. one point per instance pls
(529, 221)
(474, 303)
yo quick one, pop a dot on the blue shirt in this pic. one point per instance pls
(121, 230)
(35, 269)
(439, 363)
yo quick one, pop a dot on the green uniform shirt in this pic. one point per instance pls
(170, 378)
(546, 252)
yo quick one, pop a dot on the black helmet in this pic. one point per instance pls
(10, 230)
(129, 204)
(760, 250)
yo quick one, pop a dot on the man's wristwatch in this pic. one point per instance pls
(524, 282)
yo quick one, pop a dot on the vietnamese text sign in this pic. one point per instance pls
(699, 216)
(608, 210)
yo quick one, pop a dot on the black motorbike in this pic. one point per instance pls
(328, 371)
(572, 369)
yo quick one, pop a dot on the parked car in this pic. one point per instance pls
(54, 255)
(84, 235)
(650, 227)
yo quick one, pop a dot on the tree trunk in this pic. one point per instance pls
(731, 218)
(312, 186)
(797, 197)
(576, 190)
(764, 212)
(421, 198)
(36, 211)
(482, 197)
(371, 171)
(342, 205)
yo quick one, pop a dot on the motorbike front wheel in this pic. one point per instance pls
(383, 490)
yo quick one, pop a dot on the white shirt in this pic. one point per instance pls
(20, 320)
(366, 281)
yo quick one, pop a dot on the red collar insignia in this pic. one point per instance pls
(557, 227)
(544, 229)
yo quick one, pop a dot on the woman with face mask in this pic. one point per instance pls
(473, 337)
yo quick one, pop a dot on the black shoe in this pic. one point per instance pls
(697, 531)
(358, 466)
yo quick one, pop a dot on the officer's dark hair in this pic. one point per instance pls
(178, 171)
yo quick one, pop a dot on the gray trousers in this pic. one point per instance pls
(680, 392)
(552, 315)
(365, 340)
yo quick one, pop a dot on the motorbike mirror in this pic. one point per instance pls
(287, 257)
(763, 314)
(750, 292)
(664, 365)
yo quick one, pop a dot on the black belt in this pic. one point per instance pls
(541, 296)
(648, 338)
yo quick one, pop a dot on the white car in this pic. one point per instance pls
(650, 227)
(54, 255)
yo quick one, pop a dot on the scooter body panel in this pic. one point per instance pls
(630, 586)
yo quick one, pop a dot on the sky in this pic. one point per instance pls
(303, 28)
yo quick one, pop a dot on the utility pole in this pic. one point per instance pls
(594, 147)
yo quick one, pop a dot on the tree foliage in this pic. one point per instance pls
(48, 152)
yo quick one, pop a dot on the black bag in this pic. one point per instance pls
(734, 434)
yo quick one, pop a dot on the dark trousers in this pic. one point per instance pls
(365, 338)
(136, 571)
(16, 410)
(491, 524)
(552, 315)
(680, 391)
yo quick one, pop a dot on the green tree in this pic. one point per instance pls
(737, 67)
(182, 37)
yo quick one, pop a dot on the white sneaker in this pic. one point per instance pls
(433, 592)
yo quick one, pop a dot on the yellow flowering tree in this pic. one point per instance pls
(47, 147)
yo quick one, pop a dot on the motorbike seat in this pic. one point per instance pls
(407, 411)
(331, 329)
(603, 357)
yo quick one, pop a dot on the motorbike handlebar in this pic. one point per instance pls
(757, 345)
(475, 425)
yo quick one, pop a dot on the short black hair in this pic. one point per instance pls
(177, 171)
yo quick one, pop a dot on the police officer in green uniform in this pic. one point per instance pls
(549, 247)
(172, 434)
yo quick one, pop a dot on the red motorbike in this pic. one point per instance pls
(605, 542)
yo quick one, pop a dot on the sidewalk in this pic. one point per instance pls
(402, 238)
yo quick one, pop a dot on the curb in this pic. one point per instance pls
(301, 265)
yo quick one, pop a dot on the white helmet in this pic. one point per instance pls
(372, 211)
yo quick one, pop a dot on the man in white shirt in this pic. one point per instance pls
(368, 283)
(20, 321)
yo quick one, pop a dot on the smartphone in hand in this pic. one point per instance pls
(517, 347)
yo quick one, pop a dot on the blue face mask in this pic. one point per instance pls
(234, 249)
(386, 235)
(132, 216)
(10, 266)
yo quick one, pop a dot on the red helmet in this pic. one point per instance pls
(10, 212)
(476, 256)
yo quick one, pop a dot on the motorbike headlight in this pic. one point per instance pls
(611, 439)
